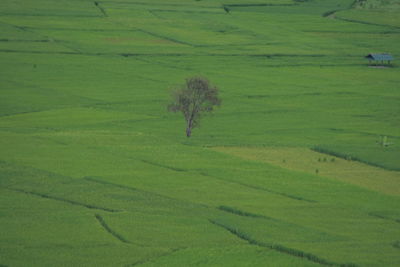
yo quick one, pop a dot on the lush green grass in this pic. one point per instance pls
(95, 172)
(303, 159)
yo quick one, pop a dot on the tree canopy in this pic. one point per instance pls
(195, 97)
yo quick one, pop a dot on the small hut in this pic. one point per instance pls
(382, 58)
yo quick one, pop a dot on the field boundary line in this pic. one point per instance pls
(364, 132)
(279, 248)
(383, 218)
(166, 38)
(242, 213)
(219, 178)
(154, 258)
(157, 4)
(353, 32)
(109, 230)
(47, 15)
(27, 29)
(45, 52)
(333, 14)
(350, 157)
(23, 112)
(184, 11)
(258, 5)
(76, 29)
(367, 23)
(281, 222)
(163, 166)
(260, 188)
(27, 40)
(123, 54)
(72, 202)
(102, 10)
(94, 180)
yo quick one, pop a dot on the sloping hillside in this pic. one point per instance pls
(291, 170)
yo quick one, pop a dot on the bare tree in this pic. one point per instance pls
(195, 97)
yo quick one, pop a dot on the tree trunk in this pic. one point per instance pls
(188, 131)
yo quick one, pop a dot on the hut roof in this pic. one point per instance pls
(380, 57)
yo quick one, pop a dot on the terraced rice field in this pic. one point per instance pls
(291, 170)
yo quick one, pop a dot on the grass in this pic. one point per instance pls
(280, 248)
(95, 172)
(328, 165)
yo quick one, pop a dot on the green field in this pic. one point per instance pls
(289, 171)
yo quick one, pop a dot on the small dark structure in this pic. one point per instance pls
(376, 58)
